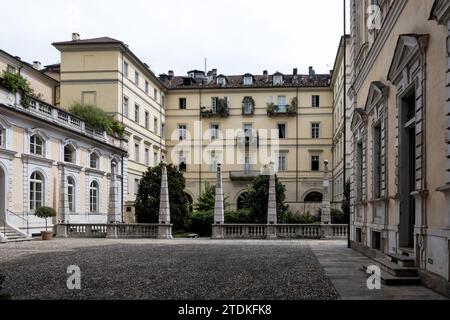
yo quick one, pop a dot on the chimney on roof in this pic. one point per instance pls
(295, 71)
(75, 36)
(37, 65)
(214, 72)
(266, 75)
(171, 74)
(311, 71)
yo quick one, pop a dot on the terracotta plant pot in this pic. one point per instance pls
(47, 235)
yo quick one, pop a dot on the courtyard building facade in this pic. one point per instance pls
(48, 157)
(400, 177)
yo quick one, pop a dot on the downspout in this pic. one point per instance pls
(296, 149)
(122, 167)
(200, 142)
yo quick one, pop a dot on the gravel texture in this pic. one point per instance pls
(169, 270)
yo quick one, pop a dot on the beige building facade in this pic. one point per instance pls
(213, 118)
(400, 133)
(49, 157)
(105, 73)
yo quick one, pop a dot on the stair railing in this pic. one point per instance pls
(22, 218)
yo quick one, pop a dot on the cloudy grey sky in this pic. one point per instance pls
(236, 36)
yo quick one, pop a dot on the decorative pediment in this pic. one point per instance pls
(408, 47)
(377, 92)
(440, 11)
(359, 118)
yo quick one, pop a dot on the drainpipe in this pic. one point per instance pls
(296, 149)
(201, 143)
(122, 182)
(345, 116)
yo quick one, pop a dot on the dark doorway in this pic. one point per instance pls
(241, 201)
(407, 169)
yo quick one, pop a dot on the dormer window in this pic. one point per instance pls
(221, 81)
(248, 80)
(277, 79)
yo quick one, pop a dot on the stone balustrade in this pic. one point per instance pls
(58, 116)
(283, 231)
(123, 231)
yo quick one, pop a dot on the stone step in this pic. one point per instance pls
(390, 280)
(401, 260)
(396, 270)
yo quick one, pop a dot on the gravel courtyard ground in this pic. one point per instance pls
(177, 269)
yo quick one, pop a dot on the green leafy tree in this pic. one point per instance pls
(257, 199)
(45, 213)
(207, 199)
(97, 118)
(147, 199)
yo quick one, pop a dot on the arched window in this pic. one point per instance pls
(241, 201)
(36, 191)
(93, 161)
(36, 145)
(69, 153)
(314, 197)
(93, 197)
(71, 194)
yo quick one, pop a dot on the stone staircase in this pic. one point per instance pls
(396, 270)
(12, 235)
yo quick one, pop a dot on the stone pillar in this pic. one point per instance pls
(114, 207)
(272, 209)
(219, 211)
(326, 206)
(164, 227)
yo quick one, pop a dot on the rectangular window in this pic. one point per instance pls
(182, 131)
(146, 86)
(147, 157)
(214, 162)
(125, 106)
(155, 159)
(315, 101)
(182, 103)
(215, 131)
(136, 152)
(136, 186)
(11, 69)
(377, 160)
(282, 131)
(315, 130)
(155, 94)
(136, 78)
(147, 120)
(136, 113)
(125, 69)
(281, 104)
(315, 163)
(282, 162)
(163, 101)
(359, 171)
(163, 130)
(155, 126)
(214, 101)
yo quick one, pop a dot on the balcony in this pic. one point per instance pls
(286, 110)
(246, 175)
(221, 109)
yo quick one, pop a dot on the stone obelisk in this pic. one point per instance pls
(164, 228)
(326, 206)
(219, 211)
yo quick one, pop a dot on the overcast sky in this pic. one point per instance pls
(236, 36)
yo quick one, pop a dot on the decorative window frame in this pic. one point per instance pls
(45, 141)
(7, 137)
(98, 153)
(359, 129)
(76, 149)
(89, 179)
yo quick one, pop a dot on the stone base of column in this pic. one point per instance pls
(61, 230)
(272, 232)
(218, 231)
(111, 231)
(165, 231)
(326, 231)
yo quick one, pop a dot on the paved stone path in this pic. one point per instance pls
(191, 269)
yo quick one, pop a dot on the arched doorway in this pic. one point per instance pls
(241, 201)
(313, 197)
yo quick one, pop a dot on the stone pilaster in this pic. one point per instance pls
(63, 197)
(164, 228)
(447, 107)
(114, 207)
(326, 206)
(272, 209)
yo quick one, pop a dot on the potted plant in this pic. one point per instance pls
(45, 213)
